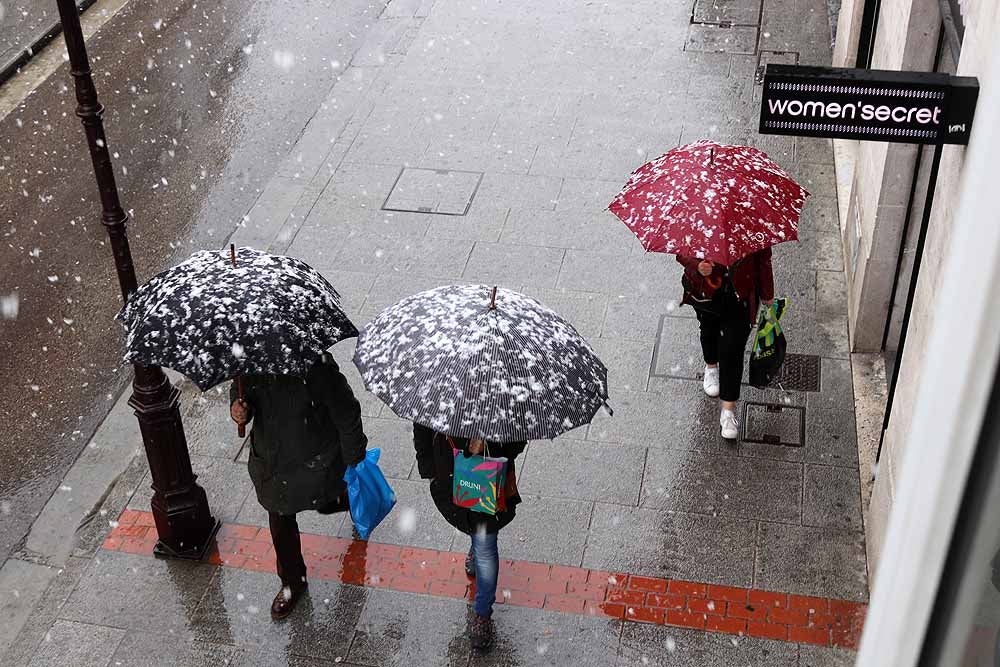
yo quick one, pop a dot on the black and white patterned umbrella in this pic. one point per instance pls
(509, 370)
(213, 321)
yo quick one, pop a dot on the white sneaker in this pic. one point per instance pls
(711, 381)
(730, 426)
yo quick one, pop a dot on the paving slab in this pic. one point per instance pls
(510, 190)
(678, 348)
(146, 648)
(21, 586)
(628, 362)
(674, 413)
(811, 561)
(390, 287)
(836, 388)
(826, 656)
(208, 427)
(597, 230)
(661, 646)
(832, 497)
(83, 644)
(669, 544)
(536, 638)
(545, 530)
(433, 258)
(618, 273)
(727, 486)
(637, 318)
(510, 265)
(582, 470)
(236, 606)
(481, 223)
(584, 310)
(587, 194)
(136, 592)
(402, 629)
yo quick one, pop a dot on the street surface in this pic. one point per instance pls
(644, 537)
(203, 101)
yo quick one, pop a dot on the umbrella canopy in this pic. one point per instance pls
(711, 201)
(501, 367)
(212, 321)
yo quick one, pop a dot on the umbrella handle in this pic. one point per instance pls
(241, 429)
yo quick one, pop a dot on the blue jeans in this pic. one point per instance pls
(484, 549)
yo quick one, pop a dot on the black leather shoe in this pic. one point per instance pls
(285, 601)
(481, 632)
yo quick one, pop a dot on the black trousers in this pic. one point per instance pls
(725, 328)
(287, 549)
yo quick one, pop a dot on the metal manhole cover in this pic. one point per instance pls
(440, 191)
(800, 372)
(773, 424)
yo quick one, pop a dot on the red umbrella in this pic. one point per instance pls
(711, 201)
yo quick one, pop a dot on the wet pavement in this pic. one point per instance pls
(204, 100)
(21, 23)
(554, 120)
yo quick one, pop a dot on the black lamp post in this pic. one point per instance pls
(184, 523)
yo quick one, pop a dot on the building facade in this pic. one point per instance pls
(898, 204)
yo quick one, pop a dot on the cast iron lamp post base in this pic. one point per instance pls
(184, 524)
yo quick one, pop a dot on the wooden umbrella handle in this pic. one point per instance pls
(241, 429)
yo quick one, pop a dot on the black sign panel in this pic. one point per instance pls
(871, 105)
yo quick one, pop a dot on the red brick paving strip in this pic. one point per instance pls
(724, 609)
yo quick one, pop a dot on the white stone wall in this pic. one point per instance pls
(982, 23)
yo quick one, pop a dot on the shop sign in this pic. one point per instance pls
(870, 105)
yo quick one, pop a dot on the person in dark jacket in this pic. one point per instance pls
(726, 301)
(306, 431)
(436, 462)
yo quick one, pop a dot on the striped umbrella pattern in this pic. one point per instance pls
(480, 362)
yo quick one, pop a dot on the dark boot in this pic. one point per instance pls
(481, 632)
(285, 601)
(470, 565)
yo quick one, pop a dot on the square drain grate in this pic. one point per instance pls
(440, 191)
(800, 372)
(773, 424)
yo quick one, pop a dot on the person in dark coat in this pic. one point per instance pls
(306, 431)
(436, 462)
(726, 301)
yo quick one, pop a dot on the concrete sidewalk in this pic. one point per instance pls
(480, 142)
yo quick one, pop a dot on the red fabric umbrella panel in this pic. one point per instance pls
(711, 201)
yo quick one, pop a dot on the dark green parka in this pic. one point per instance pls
(305, 432)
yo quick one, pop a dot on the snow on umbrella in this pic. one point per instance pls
(220, 315)
(472, 362)
(711, 201)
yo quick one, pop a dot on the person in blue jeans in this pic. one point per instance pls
(436, 462)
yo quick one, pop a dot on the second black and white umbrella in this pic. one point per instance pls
(480, 362)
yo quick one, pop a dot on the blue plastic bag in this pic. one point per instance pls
(370, 496)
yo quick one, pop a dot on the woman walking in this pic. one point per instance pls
(725, 301)
(306, 431)
(436, 454)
